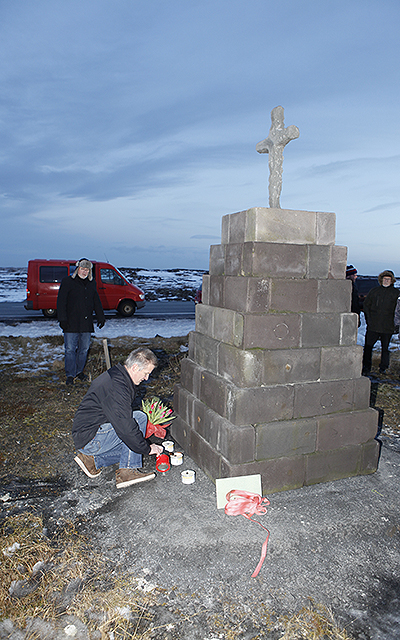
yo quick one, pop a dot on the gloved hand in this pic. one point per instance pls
(396, 328)
(64, 325)
(100, 324)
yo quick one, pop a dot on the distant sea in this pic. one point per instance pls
(158, 284)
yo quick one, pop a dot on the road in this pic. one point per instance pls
(15, 311)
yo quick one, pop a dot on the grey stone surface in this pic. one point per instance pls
(279, 136)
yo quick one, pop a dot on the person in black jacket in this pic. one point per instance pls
(351, 274)
(379, 308)
(106, 430)
(76, 301)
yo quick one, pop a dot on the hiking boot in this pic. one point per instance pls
(69, 380)
(82, 376)
(87, 465)
(126, 477)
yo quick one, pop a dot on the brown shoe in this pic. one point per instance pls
(126, 477)
(87, 465)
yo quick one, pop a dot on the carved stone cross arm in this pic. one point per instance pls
(278, 138)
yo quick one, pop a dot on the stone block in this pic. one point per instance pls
(225, 223)
(325, 228)
(205, 456)
(246, 295)
(235, 442)
(204, 351)
(204, 319)
(244, 368)
(183, 403)
(217, 260)
(190, 376)
(333, 465)
(348, 328)
(216, 295)
(205, 294)
(233, 259)
(320, 329)
(279, 474)
(259, 405)
(288, 366)
(338, 262)
(283, 439)
(182, 433)
(334, 296)
(362, 389)
(235, 293)
(341, 362)
(318, 261)
(272, 331)
(280, 225)
(294, 295)
(228, 326)
(321, 398)
(274, 260)
(370, 456)
(214, 392)
(344, 429)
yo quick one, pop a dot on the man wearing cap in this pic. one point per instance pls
(76, 302)
(351, 274)
(379, 307)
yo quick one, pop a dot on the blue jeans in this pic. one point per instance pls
(76, 349)
(107, 448)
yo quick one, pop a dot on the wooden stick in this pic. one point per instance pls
(106, 353)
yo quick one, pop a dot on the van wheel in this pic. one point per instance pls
(126, 308)
(49, 313)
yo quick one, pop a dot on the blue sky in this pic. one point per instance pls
(128, 127)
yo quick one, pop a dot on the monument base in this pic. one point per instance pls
(272, 383)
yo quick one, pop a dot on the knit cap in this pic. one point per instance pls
(350, 270)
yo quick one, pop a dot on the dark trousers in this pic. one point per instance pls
(371, 337)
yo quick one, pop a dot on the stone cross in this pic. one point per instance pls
(278, 138)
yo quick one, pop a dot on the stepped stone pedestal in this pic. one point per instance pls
(272, 383)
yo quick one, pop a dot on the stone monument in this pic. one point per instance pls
(272, 383)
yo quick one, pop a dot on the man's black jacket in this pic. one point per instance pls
(76, 301)
(109, 399)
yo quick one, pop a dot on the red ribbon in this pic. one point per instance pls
(247, 504)
(158, 430)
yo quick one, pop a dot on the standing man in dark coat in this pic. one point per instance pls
(379, 307)
(77, 299)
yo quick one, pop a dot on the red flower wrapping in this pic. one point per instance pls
(157, 429)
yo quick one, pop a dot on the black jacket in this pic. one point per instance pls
(76, 301)
(109, 399)
(379, 308)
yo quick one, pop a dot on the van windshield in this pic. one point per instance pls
(109, 276)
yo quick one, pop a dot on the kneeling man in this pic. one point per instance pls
(106, 430)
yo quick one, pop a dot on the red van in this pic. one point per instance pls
(44, 278)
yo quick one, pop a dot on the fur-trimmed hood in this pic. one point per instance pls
(388, 274)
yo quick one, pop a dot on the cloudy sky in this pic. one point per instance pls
(128, 127)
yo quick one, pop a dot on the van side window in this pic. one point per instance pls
(52, 274)
(109, 276)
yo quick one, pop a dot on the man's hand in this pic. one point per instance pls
(156, 449)
(100, 324)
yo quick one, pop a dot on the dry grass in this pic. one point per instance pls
(42, 578)
(314, 622)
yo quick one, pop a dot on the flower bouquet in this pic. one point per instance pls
(158, 417)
